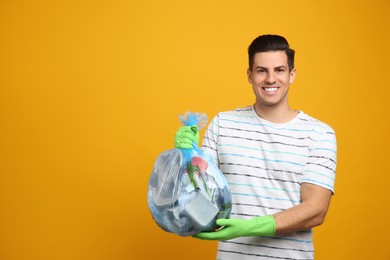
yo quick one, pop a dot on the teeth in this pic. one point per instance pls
(270, 89)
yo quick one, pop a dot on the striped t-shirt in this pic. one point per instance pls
(265, 164)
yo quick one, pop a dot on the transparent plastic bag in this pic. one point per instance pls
(187, 192)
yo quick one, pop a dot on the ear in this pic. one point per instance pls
(293, 74)
(249, 75)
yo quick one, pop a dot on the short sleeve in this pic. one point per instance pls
(321, 166)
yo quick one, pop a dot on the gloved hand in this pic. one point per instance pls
(185, 136)
(232, 228)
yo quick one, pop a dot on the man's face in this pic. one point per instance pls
(270, 78)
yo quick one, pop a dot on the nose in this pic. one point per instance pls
(270, 78)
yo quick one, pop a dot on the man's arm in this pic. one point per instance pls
(310, 213)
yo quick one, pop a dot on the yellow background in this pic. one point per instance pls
(89, 97)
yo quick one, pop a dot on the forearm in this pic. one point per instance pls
(310, 213)
(300, 217)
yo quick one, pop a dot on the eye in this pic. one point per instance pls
(260, 71)
(280, 70)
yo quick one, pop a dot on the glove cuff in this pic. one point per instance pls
(263, 226)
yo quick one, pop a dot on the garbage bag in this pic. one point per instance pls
(187, 192)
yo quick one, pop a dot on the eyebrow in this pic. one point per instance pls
(264, 68)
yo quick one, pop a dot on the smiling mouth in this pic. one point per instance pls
(270, 89)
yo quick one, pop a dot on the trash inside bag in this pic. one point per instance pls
(187, 192)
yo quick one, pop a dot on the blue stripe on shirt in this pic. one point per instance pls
(261, 159)
(264, 197)
(319, 173)
(270, 126)
(317, 182)
(261, 149)
(262, 187)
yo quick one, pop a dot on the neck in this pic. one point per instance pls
(275, 114)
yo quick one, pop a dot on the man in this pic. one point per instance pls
(280, 163)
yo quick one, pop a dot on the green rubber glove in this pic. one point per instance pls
(232, 228)
(185, 136)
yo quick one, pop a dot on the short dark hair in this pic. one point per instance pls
(269, 42)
